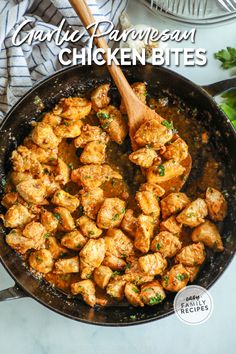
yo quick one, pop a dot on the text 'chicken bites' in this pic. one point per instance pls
(78, 220)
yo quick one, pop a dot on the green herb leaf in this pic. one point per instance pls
(227, 57)
(103, 115)
(133, 317)
(57, 216)
(168, 125)
(180, 277)
(155, 299)
(115, 217)
(161, 170)
(158, 246)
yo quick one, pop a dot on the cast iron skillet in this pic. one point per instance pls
(66, 82)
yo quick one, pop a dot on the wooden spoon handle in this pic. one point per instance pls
(85, 15)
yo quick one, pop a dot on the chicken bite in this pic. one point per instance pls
(154, 188)
(152, 293)
(129, 223)
(49, 221)
(192, 271)
(68, 129)
(44, 136)
(74, 240)
(160, 173)
(216, 203)
(144, 233)
(113, 123)
(93, 175)
(114, 262)
(94, 152)
(173, 203)
(67, 265)
(9, 199)
(37, 232)
(52, 119)
(18, 242)
(178, 150)
(32, 191)
(148, 203)
(153, 264)
(91, 202)
(132, 294)
(171, 225)
(102, 276)
(100, 98)
(118, 244)
(90, 133)
(55, 248)
(66, 221)
(191, 255)
(93, 252)
(116, 288)
(166, 243)
(17, 216)
(87, 290)
(23, 161)
(66, 200)
(208, 234)
(41, 261)
(175, 279)
(62, 172)
(153, 133)
(143, 157)
(73, 108)
(194, 214)
(88, 227)
(111, 213)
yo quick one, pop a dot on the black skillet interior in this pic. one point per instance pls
(77, 79)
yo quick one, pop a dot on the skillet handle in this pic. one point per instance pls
(219, 87)
(12, 293)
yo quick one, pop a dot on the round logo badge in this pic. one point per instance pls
(193, 305)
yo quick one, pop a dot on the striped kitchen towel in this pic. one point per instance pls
(22, 66)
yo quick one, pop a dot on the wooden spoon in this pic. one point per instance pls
(137, 111)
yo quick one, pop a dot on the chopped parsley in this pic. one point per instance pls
(3, 182)
(38, 101)
(133, 317)
(227, 57)
(66, 123)
(155, 299)
(191, 215)
(103, 115)
(39, 259)
(115, 217)
(91, 233)
(168, 125)
(47, 235)
(123, 210)
(115, 273)
(180, 277)
(70, 165)
(105, 125)
(161, 170)
(158, 246)
(128, 266)
(166, 280)
(135, 290)
(57, 216)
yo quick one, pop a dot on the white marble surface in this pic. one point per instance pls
(26, 327)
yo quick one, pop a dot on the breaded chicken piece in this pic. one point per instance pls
(178, 150)
(74, 240)
(111, 213)
(154, 188)
(160, 173)
(62, 172)
(17, 216)
(153, 133)
(118, 244)
(73, 108)
(67, 265)
(143, 157)
(36, 231)
(99, 97)
(191, 255)
(49, 221)
(113, 123)
(93, 175)
(9, 199)
(148, 203)
(66, 200)
(152, 293)
(44, 136)
(18, 242)
(144, 233)
(91, 202)
(132, 294)
(18, 177)
(55, 248)
(90, 133)
(209, 235)
(66, 221)
(114, 262)
(102, 276)
(153, 264)
(23, 161)
(94, 152)
(194, 214)
(93, 252)
(166, 243)
(41, 261)
(88, 227)
(173, 203)
(116, 288)
(192, 271)
(68, 129)
(171, 225)
(175, 279)
(52, 119)
(87, 290)
(129, 223)
(216, 203)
